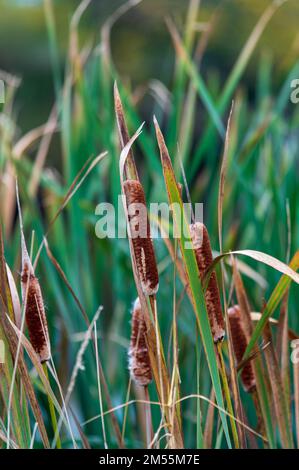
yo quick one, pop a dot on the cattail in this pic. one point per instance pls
(141, 237)
(130, 167)
(240, 345)
(139, 361)
(202, 247)
(35, 311)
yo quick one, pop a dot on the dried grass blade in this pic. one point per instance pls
(130, 168)
(273, 302)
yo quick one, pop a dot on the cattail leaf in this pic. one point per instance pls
(256, 316)
(262, 258)
(197, 80)
(235, 76)
(270, 261)
(123, 133)
(190, 264)
(223, 172)
(126, 152)
(273, 302)
(14, 297)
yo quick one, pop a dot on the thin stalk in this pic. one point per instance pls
(52, 411)
(199, 433)
(158, 345)
(227, 396)
(175, 383)
(126, 412)
(148, 419)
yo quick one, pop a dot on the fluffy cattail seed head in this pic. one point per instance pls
(35, 311)
(139, 361)
(203, 252)
(240, 345)
(141, 237)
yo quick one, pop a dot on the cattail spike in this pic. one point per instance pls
(203, 252)
(34, 310)
(139, 361)
(141, 237)
(240, 345)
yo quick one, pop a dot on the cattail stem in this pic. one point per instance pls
(199, 432)
(260, 421)
(175, 381)
(148, 419)
(126, 411)
(153, 310)
(52, 411)
(227, 396)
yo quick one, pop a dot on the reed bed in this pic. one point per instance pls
(209, 357)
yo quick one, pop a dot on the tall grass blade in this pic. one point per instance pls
(193, 275)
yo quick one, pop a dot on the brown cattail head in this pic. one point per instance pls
(240, 345)
(34, 308)
(203, 252)
(139, 361)
(141, 237)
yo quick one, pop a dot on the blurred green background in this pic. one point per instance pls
(141, 45)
